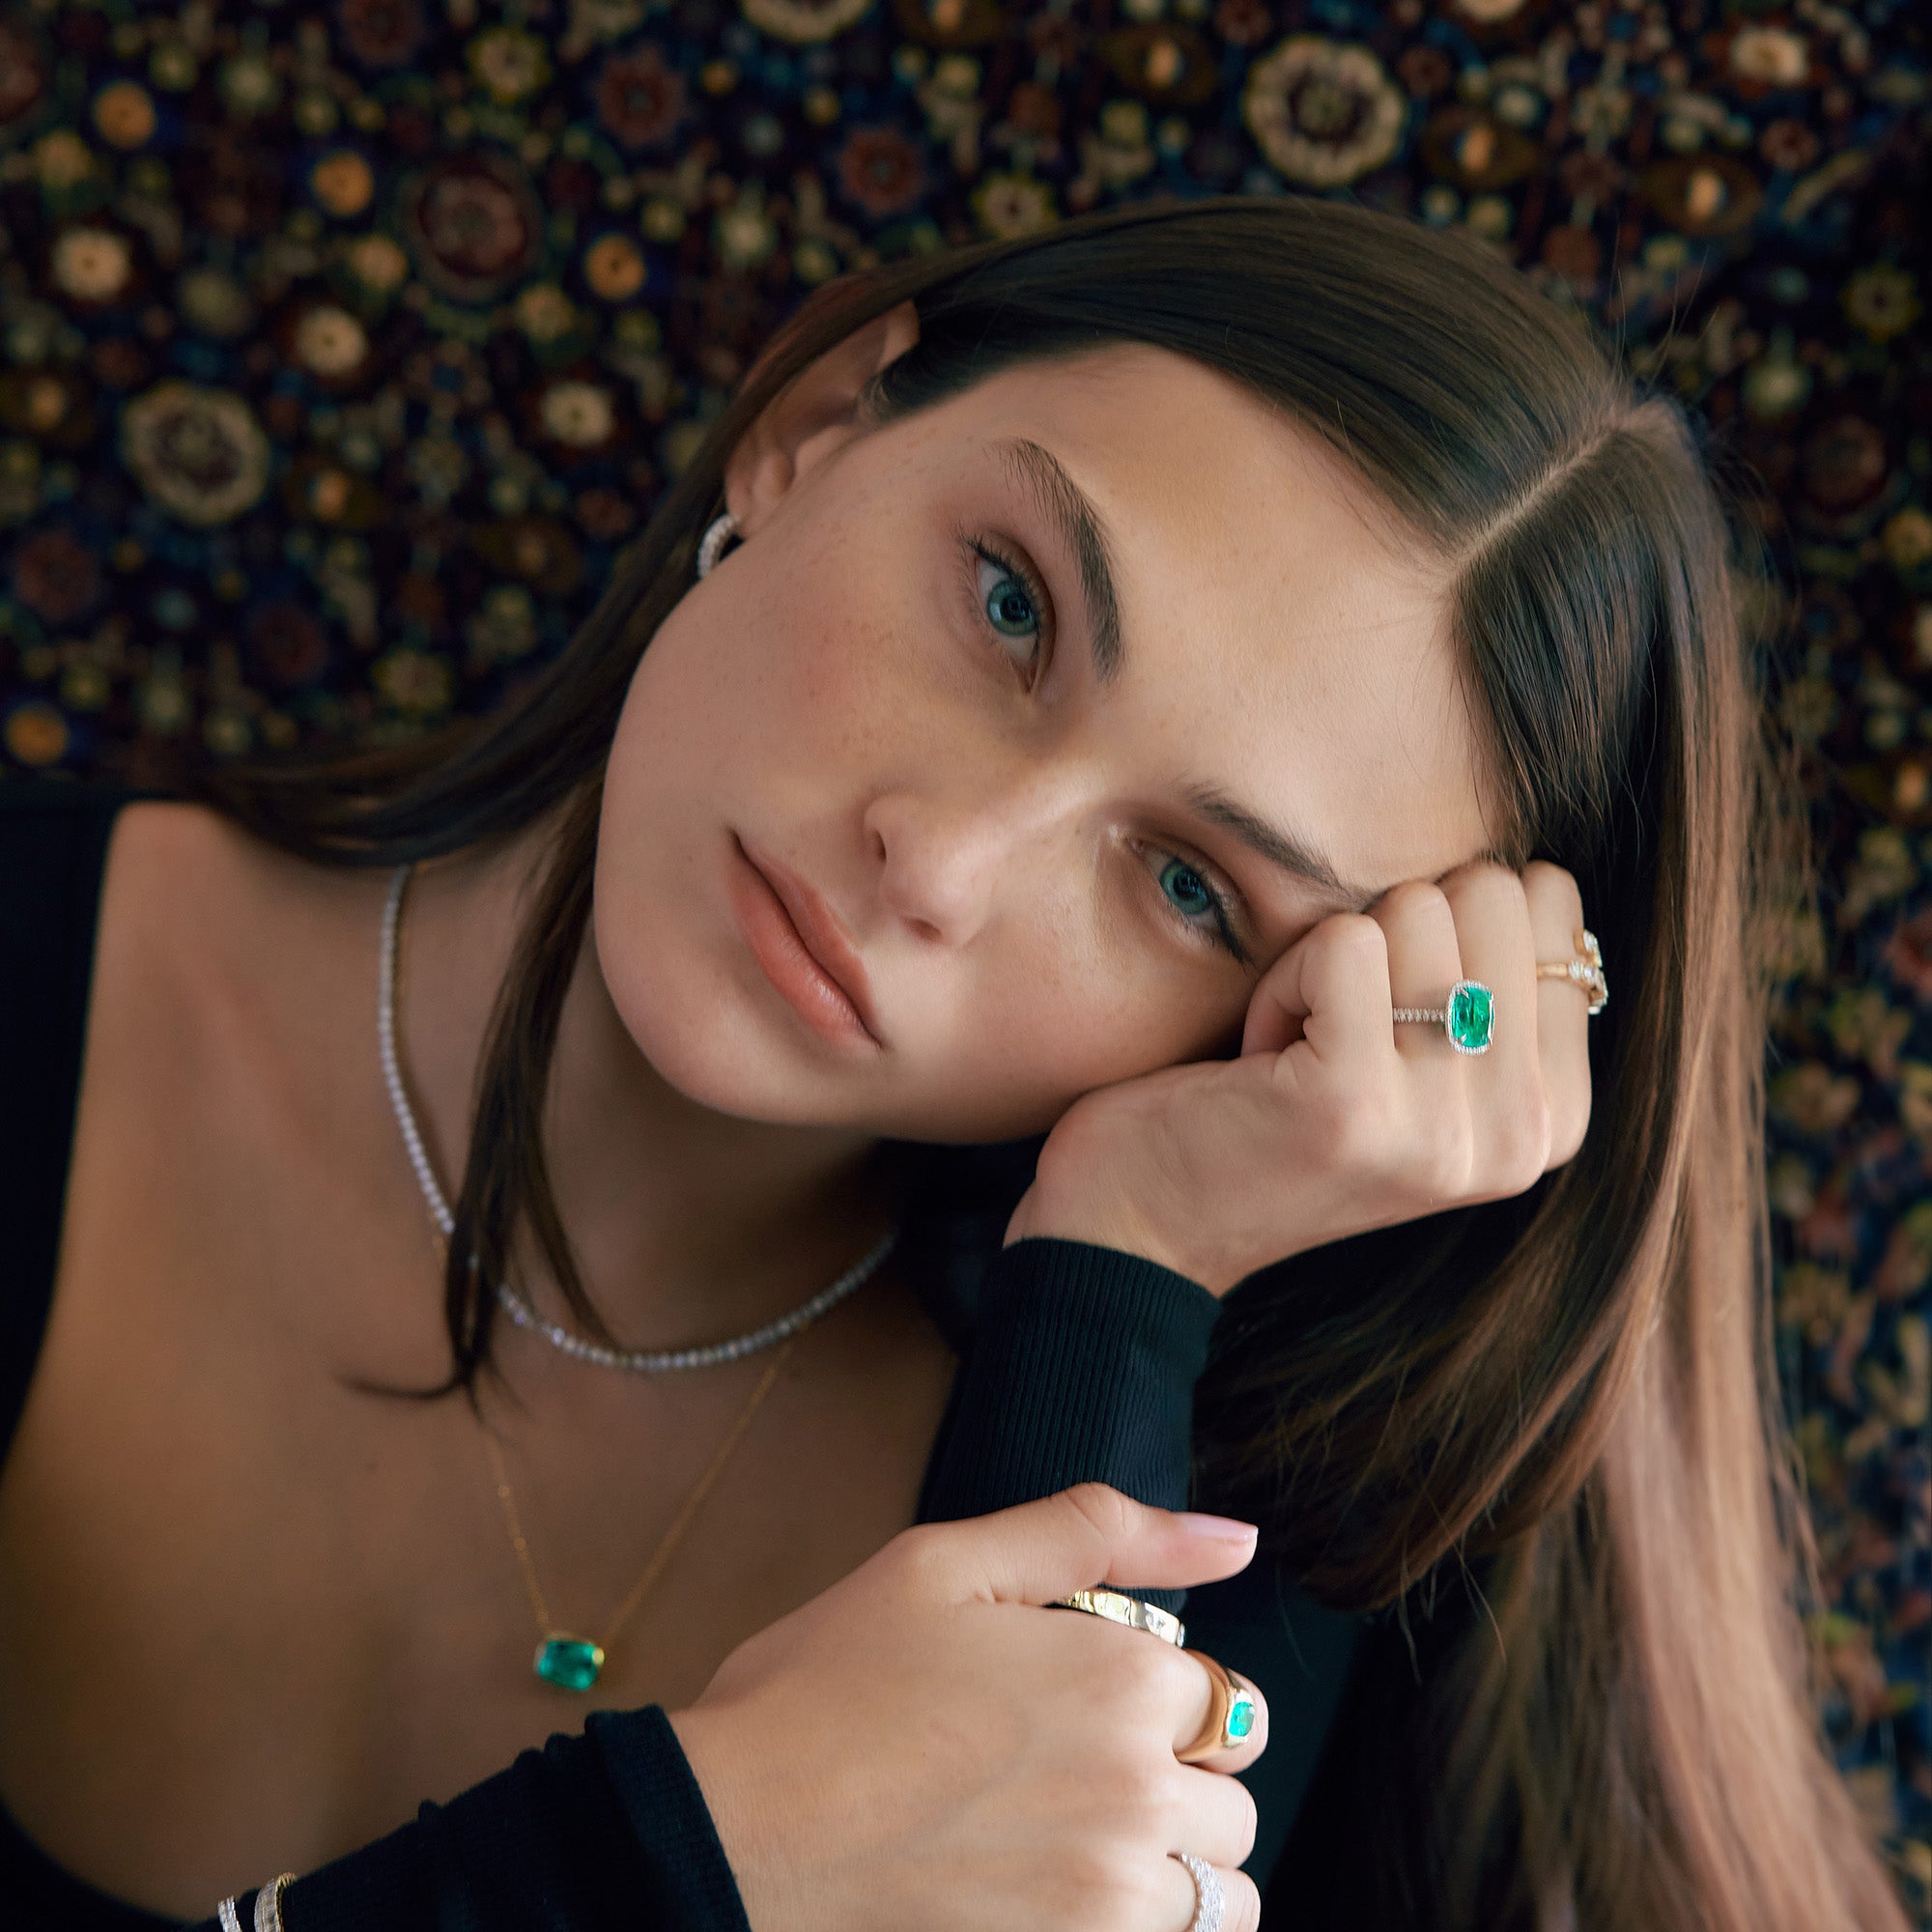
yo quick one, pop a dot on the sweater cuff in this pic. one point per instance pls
(1082, 1369)
(691, 1881)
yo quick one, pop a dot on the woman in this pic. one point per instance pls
(1160, 660)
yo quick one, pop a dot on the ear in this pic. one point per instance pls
(816, 413)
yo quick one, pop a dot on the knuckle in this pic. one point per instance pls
(1351, 939)
(1523, 1145)
(1568, 1130)
(1104, 1508)
(1081, 1886)
(1243, 1903)
(1414, 898)
(1124, 1797)
(1451, 1152)
(1550, 885)
(1145, 1677)
(919, 1558)
(1143, 1797)
(1248, 1820)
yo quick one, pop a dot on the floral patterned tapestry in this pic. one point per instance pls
(344, 343)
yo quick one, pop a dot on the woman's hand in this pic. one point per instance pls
(1334, 1119)
(923, 1746)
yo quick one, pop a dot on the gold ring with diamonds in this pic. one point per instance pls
(1585, 971)
(1118, 1607)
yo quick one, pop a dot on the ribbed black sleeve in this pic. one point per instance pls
(1082, 1369)
(606, 1832)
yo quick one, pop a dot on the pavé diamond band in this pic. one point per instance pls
(1211, 1902)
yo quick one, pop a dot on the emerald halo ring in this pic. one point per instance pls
(1469, 1019)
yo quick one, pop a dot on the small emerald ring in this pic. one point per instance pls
(1469, 1019)
(1231, 1711)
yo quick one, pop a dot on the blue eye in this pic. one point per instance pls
(1191, 894)
(1010, 609)
(1010, 600)
(1199, 906)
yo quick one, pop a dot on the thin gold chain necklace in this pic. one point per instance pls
(573, 1662)
(570, 1662)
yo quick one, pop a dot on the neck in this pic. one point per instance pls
(688, 1225)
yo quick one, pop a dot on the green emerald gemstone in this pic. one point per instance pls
(1241, 1716)
(1472, 1017)
(570, 1662)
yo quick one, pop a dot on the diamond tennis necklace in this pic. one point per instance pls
(639, 1361)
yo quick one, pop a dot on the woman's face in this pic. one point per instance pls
(989, 736)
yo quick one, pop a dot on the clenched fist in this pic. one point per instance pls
(1335, 1118)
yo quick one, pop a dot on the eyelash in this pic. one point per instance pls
(978, 549)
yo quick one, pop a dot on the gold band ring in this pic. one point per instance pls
(1231, 1713)
(1118, 1607)
(1584, 972)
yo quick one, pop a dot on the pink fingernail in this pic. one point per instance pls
(1216, 1528)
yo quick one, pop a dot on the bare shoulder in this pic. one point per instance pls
(218, 927)
(183, 854)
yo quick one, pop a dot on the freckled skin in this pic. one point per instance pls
(835, 693)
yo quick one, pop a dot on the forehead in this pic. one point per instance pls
(1285, 639)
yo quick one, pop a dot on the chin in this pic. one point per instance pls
(696, 1037)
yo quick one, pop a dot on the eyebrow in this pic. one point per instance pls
(1067, 508)
(1071, 510)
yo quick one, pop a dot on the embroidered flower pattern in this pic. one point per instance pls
(1323, 111)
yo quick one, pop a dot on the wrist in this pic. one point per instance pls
(1045, 1216)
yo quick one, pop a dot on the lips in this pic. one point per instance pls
(819, 932)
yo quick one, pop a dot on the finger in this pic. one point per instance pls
(1076, 1540)
(1330, 988)
(1509, 1110)
(1562, 1008)
(1217, 1817)
(1242, 1909)
(1205, 1705)
(1425, 960)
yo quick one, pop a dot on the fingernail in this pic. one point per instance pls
(1216, 1528)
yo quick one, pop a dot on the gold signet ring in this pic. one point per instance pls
(1231, 1711)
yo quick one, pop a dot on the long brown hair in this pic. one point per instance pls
(1543, 1430)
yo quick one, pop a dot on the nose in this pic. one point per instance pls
(946, 856)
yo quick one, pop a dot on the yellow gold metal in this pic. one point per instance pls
(1585, 972)
(547, 1630)
(1212, 1739)
(1118, 1607)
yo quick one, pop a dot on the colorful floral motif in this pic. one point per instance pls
(343, 342)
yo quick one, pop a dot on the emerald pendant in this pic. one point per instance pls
(570, 1662)
(1472, 1016)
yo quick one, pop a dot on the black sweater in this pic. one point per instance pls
(1078, 1362)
